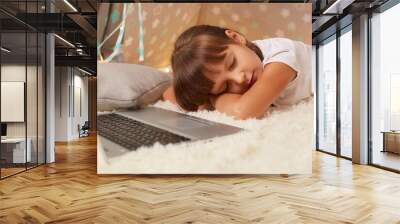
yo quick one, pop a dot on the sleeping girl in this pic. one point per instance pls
(218, 68)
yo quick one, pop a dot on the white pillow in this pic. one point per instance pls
(129, 86)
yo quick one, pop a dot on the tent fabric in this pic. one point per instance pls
(163, 23)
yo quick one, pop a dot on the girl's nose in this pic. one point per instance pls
(240, 79)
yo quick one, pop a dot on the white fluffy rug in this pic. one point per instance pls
(280, 143)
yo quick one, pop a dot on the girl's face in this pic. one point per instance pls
(238, 71)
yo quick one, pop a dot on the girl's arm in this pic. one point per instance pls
(255, 101)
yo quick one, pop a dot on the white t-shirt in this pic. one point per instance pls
(298, 56)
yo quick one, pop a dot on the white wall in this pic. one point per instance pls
(70, 83)
(79, 117)
(62, 80)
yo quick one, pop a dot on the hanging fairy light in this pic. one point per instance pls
(141, 33)
(121, 33)
(117, 46)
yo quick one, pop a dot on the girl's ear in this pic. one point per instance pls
(235, 36)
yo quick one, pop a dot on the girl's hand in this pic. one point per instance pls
(206, 106)
(169, 95)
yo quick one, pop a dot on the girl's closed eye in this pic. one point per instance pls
(232, 64)
(225, 86)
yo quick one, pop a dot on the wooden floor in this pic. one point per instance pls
(5, 172)
(10, 171)
(70, 191)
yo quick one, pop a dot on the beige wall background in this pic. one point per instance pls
(163, 23)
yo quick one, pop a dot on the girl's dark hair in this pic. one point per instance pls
(194, 49)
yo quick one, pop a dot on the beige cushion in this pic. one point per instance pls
(129, 86)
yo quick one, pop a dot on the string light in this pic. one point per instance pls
(117, 46)
(70, 5)
(141, 33)
(5, 49)
(121, 33)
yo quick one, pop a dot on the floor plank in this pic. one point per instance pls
(70, 191)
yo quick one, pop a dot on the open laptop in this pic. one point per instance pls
(121, 132)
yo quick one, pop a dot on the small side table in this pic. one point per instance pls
(391, 141)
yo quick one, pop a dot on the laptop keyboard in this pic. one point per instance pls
(133, 134)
